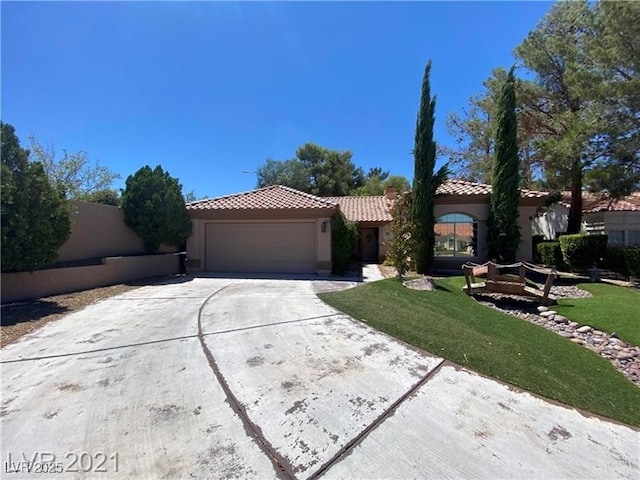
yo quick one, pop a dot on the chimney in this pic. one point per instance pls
(390, 192)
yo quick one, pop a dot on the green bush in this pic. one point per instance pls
(154, 208)
(36, 217)
(343, 237)
(550, 254)
(632, 257)
(614, 260)
(580, 252)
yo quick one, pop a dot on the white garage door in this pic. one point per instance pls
(260, 247)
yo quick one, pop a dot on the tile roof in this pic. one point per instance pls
(593, 203)
(462, 187)
(364, 209)
(275, 197)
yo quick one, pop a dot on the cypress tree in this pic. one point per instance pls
(425, 183)
(503, 231)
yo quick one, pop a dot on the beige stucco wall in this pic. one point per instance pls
(99, 231)
(196, 242)
(24, 285)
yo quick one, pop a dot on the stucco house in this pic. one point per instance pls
(278, 229)
(274, 229)
(461, 208)
(618, 218)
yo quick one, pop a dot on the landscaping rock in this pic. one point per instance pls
(584, 329)
(625, 358)
(422, 283)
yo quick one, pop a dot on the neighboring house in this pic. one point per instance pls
(619, 218)
(279, 229)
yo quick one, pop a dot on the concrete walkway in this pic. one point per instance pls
(247, 378)
(371, 273)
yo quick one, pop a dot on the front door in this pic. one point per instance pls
(369, 244)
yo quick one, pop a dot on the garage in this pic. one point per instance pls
(276, 247)
(275, 229)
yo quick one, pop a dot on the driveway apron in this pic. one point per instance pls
(248, 378)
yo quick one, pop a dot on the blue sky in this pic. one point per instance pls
(209, 89)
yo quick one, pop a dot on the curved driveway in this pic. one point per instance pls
(247, 378)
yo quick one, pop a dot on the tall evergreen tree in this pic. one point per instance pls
(425, 182)
(502, 227)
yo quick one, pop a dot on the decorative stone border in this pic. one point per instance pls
(625, 357)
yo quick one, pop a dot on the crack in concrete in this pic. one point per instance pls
(355, 441)
(97, 350)
(284, 322)
(282, 466)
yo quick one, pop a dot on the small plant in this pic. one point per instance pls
(343, 237)
(583, 251)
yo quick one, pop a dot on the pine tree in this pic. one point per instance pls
(502, 227)
(425, 183)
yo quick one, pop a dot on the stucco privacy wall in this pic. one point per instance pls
(196, 244)
(99, 231)
(24, 285)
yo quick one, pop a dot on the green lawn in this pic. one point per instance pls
(611, 309)
(448, 323)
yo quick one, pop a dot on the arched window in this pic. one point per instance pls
(456, 236)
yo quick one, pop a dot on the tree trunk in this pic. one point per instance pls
(575, 210)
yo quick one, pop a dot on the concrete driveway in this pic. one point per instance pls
(248, 378)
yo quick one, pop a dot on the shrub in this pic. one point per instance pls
(614, 260)
(550, 254)
(36, 217)
(632, 257)
(154, 208)
(343, 237)
(580, 252)
(401, 246)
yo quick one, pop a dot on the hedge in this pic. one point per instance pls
(632, 257)
(581, 252)
(614, 260)
(550, 254)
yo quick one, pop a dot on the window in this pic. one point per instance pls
(616, 237)
(456, 236)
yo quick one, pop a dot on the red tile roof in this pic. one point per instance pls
(592, 202)
(276, 197)
(462, 187)
(364, 209)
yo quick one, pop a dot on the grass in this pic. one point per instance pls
(611, 309)
(448, 323)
